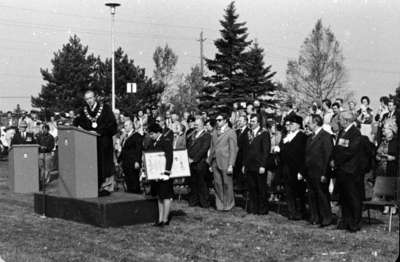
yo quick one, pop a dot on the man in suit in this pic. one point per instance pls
(347, 156)
(292, 149)
(255, 155)
(197, 151)
(131, 156)
(222, 159)
(318, 154)
(46, 144)
(191, 128)
(22, 136)
(241, 134)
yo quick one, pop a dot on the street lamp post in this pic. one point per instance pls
(112, 6)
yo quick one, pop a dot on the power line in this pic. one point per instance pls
(91, 31)
(104, 19)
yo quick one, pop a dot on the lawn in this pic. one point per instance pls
(195, 234)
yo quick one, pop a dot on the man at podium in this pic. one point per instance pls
(97, 116)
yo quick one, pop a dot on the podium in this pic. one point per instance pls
(23, 167)
(77, 162)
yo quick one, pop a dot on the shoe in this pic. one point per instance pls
(103, 193)
(158, 224)
(166, 223)
(325, 225)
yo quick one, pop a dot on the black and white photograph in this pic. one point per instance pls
(199, 130)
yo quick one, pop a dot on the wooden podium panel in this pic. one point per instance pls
(77, 156)
(23, 167)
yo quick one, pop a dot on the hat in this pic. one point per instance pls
(294, 118)
(155, 128)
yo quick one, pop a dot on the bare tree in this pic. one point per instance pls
(165, 61)
(319, 72)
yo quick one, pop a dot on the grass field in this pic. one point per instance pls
(194, 235)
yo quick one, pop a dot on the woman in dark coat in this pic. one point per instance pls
(162, 188)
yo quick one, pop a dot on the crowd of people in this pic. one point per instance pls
(307, 158)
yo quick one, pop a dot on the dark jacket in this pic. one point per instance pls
(106, 122)
(132, 149)
(47, 141)
(318, 154)
(164, 144)
(347, 152)
(293, 154)
(242, 138)
(256, 150)
(198, 147)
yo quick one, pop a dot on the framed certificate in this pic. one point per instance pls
(154, 163)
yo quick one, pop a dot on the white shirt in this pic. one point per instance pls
(255, 131)
(348, 128)
(317, 131)
(199, 133)
(289, 137)
(93, 107)
(158, 138)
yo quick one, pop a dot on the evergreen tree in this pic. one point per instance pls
(225, 84)
(258, 77)
(148, 94)
(73, 72)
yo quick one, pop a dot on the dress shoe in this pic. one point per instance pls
(103, 193)
(158, 224)
(341, 226)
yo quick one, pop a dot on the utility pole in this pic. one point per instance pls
(201, 40)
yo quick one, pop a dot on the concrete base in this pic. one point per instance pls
(118, 209)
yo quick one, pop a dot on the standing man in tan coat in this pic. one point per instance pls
(222, 158)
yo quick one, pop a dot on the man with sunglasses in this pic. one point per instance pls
(222, 158)
(166, 131)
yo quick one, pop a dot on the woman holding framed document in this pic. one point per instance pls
(162, 188)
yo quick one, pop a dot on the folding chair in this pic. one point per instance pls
(384, 188)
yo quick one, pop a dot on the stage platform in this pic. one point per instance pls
(118, 209)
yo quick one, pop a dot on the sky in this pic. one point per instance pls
(30, 31)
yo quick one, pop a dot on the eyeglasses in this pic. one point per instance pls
(220, 119)
(158, 121)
